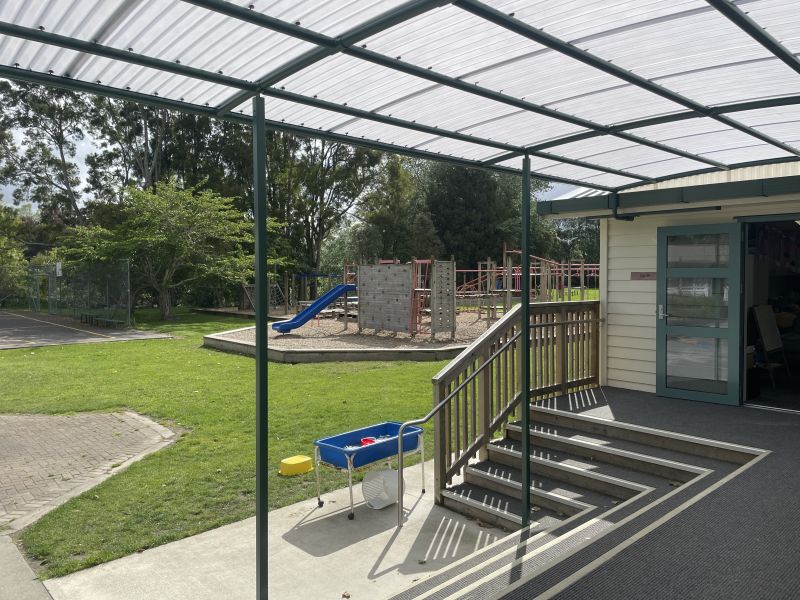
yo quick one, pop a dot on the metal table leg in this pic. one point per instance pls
(422, 458)
(352, 515)
(316, 466)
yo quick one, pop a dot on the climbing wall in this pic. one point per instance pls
(443, 298)
(385, 294)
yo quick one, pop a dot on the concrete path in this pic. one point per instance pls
(313, 554)
(47, 459)
(17, 580)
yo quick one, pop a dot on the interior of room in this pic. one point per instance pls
(772, 321)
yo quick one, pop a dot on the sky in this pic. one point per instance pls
(83, 147)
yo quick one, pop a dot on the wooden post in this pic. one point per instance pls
(569, 281)
(439, 450)
(561, 350)
(583, 280)
(595, 343)
(485, 386)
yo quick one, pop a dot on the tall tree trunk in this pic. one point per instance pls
(165, 303)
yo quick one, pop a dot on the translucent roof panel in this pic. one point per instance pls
(621, 104)
(456, 148)
(451, 41)
(330, 17)
(444, 66)
(522, 128)
(204, 39)
(744, 154)
(579, 20)
(341, 78)
(693, 40)
(736, 82)
(614, 152)
(780, 18)
(702, 137)
(782, 122)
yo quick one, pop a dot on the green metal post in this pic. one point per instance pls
(262, 308)
(525, 372)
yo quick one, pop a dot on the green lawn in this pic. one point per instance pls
(206, 479)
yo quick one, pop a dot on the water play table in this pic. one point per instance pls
(346, 452)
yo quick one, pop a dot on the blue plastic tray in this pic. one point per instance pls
(332, 449)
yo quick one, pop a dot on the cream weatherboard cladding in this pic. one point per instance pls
(629, 307)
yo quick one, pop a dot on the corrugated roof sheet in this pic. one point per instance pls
(603, 95)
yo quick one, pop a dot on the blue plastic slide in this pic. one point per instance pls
(319, 304)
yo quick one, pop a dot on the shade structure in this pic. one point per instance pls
(605, 95)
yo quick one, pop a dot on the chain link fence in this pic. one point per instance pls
(97, 293)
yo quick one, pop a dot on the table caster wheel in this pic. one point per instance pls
(320, 503)
(351, 516)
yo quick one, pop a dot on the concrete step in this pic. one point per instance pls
(647, 436)
(626, 459)
(544, 493)
(486, 505)
(569, 469)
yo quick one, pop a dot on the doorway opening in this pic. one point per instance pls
(772, 314)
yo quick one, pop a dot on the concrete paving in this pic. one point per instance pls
(22, 329)
(314, 553)
(47, 459)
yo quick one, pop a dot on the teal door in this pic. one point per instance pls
(698, 319)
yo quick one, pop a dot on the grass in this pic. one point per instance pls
(206, 479)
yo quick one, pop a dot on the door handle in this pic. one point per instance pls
(661, 314)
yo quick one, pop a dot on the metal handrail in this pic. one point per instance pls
(428, 417)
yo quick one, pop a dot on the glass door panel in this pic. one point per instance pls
(698, 301)
(697, 329)
(699, 364)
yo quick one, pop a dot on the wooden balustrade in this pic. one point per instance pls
(479, 391)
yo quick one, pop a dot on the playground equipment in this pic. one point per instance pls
(395, 297)
(491, 288)
(362, 447)
(400, 297)
(314, 309)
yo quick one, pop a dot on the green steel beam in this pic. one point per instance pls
(414, 153)
(525, 333)
(262, 322)
(28, 76)
(256, 18)
(179, 69)
(545, 39)
(684, 196)
(752, 163)
(160, 102)
(369, 28)
(660, 120)
(476, 90)
(45, 37)
(436, 131)
(235, 11)
(757, 32)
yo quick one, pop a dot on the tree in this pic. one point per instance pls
(475, 212)
(579, 239)
(12, 258)
(395, 222)
(174, 237)
(44, 168)
(333, 178)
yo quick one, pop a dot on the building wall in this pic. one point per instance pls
(629, 307)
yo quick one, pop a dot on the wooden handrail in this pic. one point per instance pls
(478, 392)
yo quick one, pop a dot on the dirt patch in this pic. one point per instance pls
(331, 334)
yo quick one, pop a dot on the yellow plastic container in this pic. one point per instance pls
(295, 465)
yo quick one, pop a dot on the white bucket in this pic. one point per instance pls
(380, 488)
